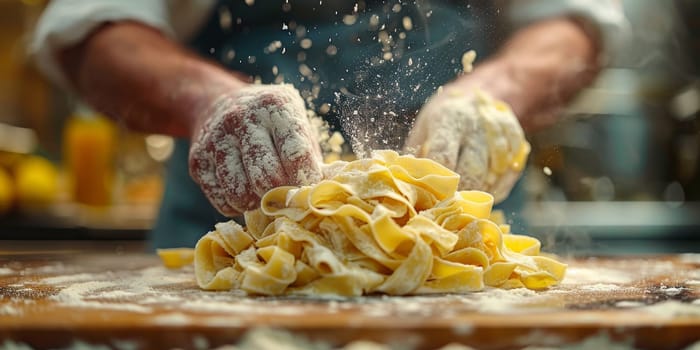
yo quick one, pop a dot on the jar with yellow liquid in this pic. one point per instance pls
(89, 146)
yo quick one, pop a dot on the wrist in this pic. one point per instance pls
(200, 90)
(495, 77)
(132, 72)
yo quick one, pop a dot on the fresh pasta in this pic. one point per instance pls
(390, 224)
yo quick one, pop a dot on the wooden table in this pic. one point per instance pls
(127, 300)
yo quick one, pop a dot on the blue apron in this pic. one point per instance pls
(348, 68)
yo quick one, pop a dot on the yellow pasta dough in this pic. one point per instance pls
(390, 224)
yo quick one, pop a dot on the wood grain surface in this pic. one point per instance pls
(121, 300)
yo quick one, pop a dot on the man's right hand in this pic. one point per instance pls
(250, 141)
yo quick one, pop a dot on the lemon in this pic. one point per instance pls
(36, 182)
(6, 191)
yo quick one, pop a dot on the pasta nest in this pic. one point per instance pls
(391, 224)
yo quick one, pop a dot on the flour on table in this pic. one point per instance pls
(113, 291)
(83, 294)
(6, 271)
(60, 280)
(600, 287)
(498, 300)
(581, 276)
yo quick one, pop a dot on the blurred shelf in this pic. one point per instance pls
(614, 228)
(74, 221)
(617, 220)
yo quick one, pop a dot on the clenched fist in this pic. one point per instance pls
(475, 135)
(252, 140)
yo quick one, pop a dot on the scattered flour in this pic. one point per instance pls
(110, 290)
(82, 289)
(580, 276)
(600, 287)
(60, 280)
(48, 269)
(83, 295)
(117, 294)
(6, 271)
(494, 300)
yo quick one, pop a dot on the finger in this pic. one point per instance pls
(203, 171)
(259, 160)
(446, 125)
(296, 147)
(258, 154)
(498, 147)
(231, 174)
(292, 136)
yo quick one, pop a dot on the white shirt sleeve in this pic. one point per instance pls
(68, 22)
(606, 15)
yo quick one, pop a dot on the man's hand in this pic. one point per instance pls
(475, 135)
(250, 141)
(539, 69)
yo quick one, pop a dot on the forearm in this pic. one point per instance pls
(131, 72)
(540, 68)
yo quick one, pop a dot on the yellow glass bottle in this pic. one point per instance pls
(89, 151)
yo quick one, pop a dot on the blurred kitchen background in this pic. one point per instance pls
(620, 174)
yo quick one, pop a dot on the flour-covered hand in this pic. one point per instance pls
(474, 134)
(250, 141)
